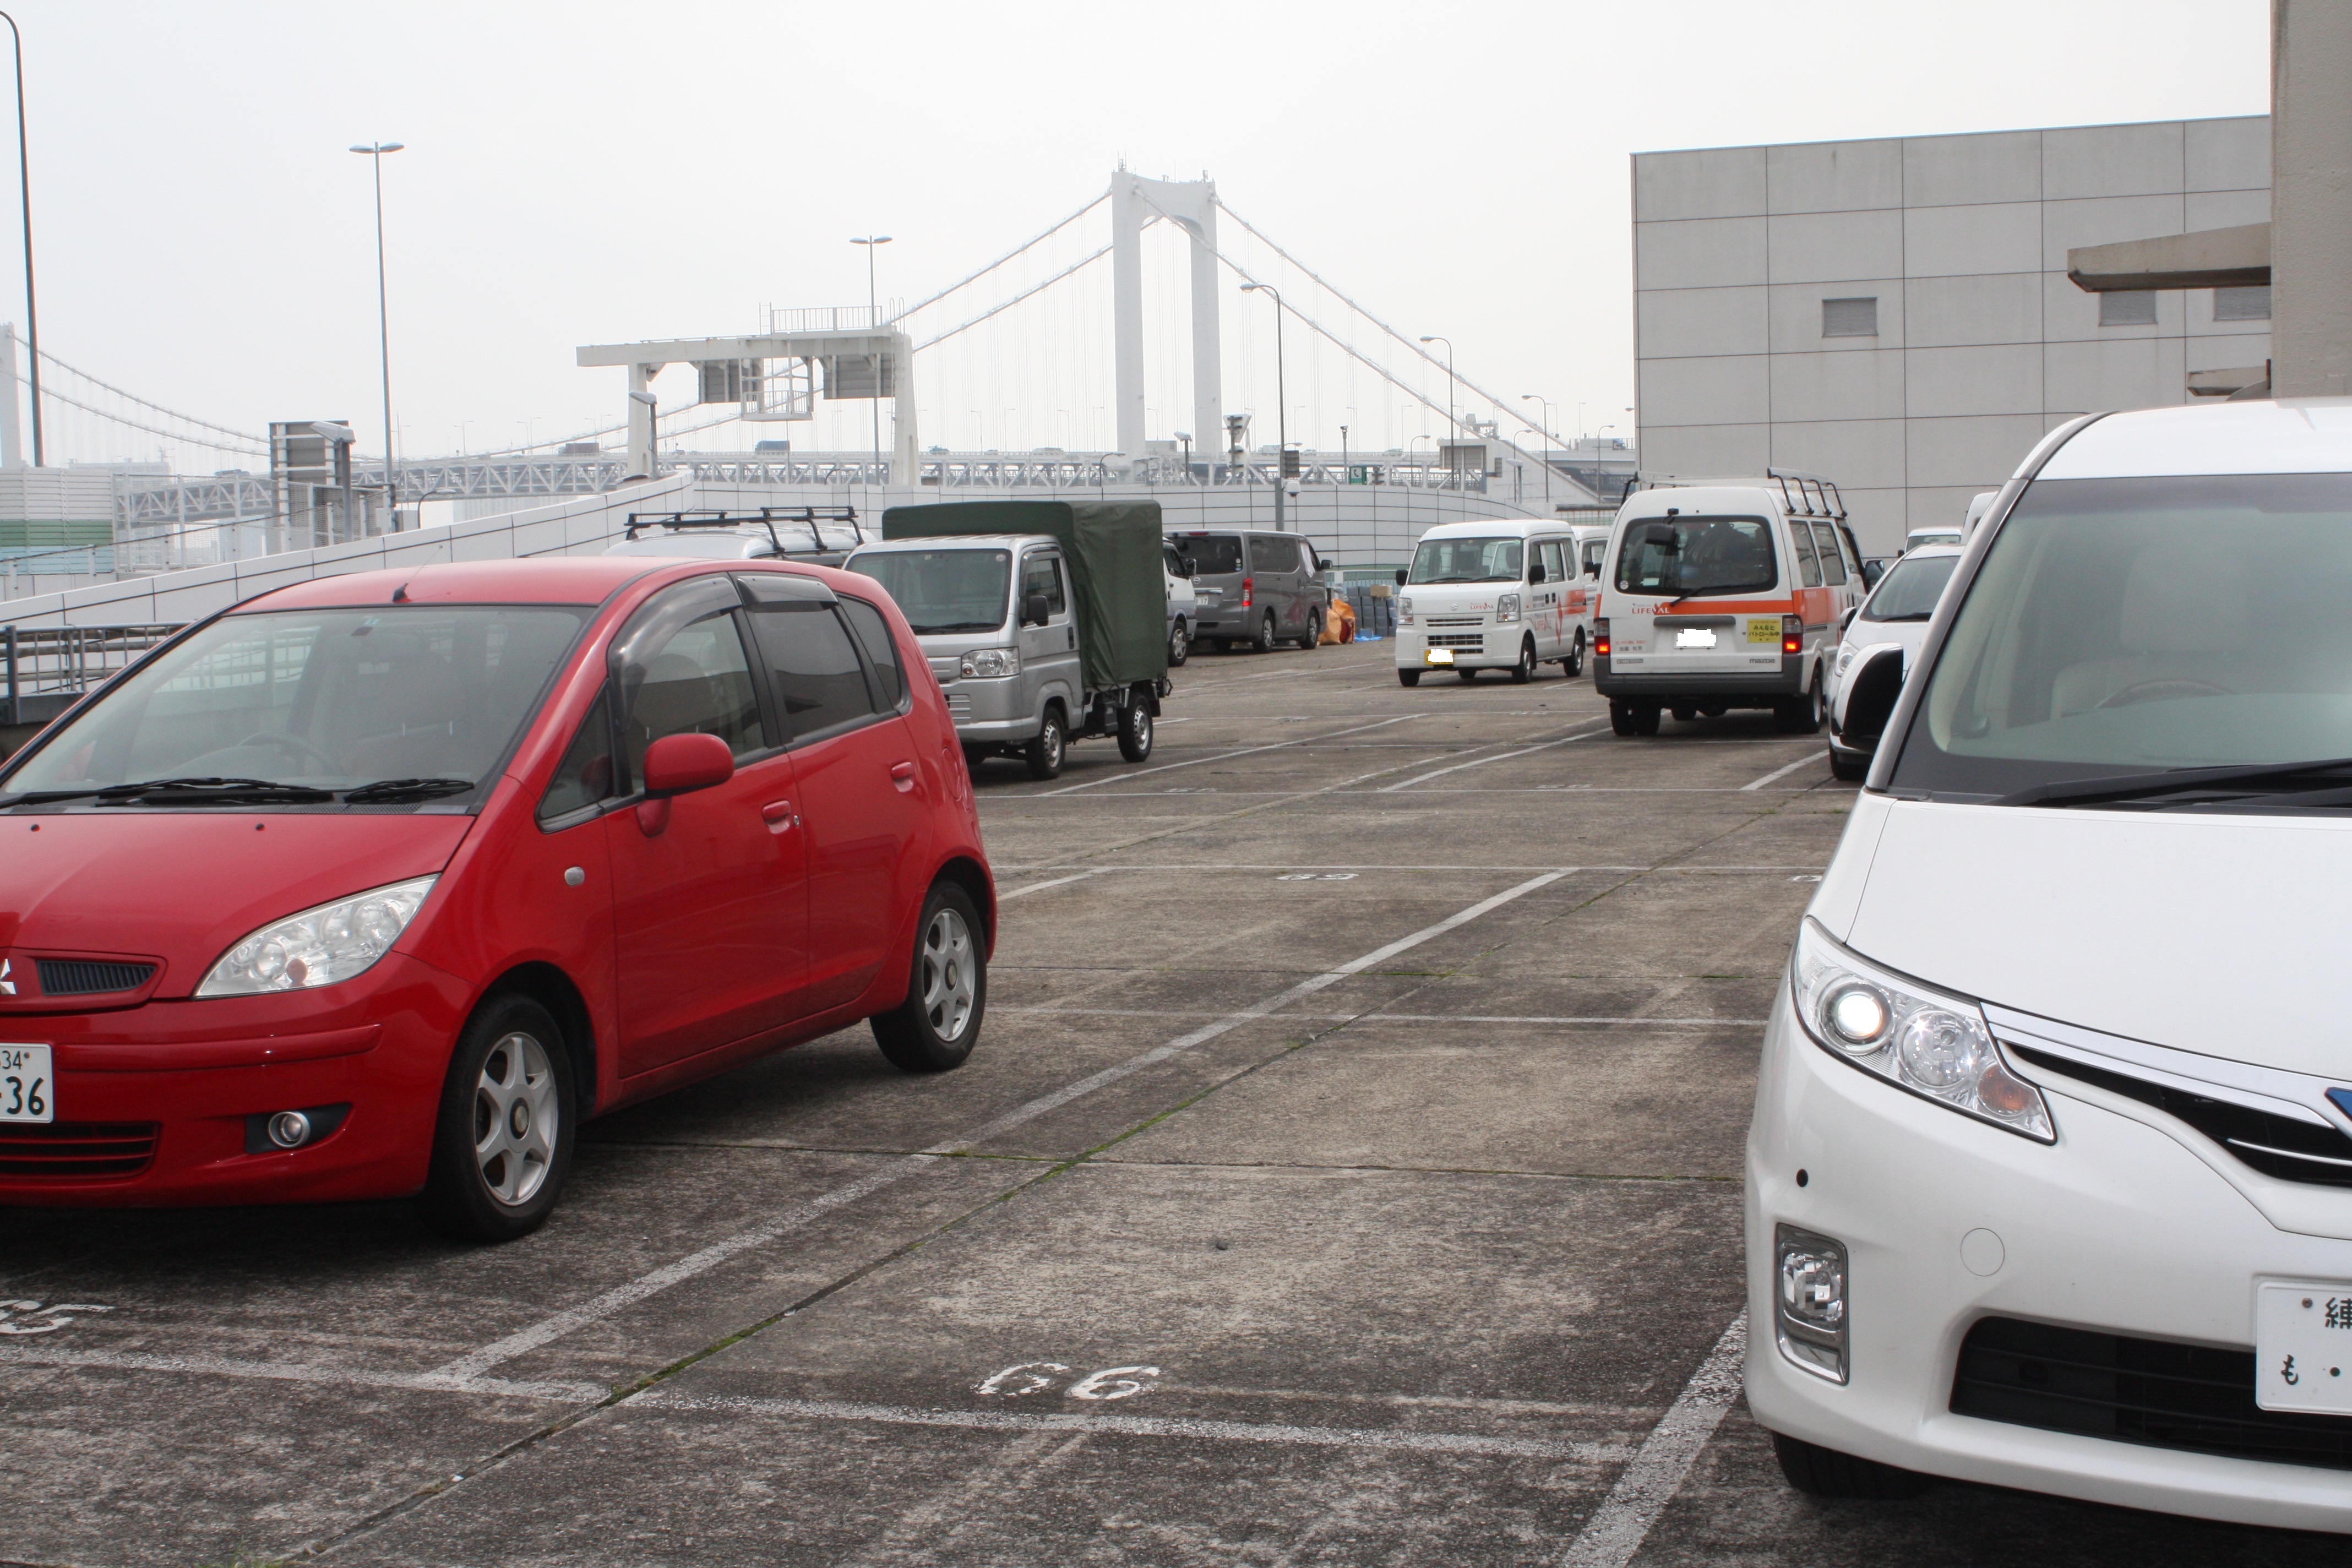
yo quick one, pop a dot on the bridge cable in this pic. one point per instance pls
(1008, 304)
(1004, 259)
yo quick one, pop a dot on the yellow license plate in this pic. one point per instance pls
(1764, 630)
(1438, 654)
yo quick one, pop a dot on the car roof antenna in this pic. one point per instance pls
(400, 594)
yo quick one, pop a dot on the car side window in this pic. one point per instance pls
(1594, 550)
(586, 774)
(1042, 574)
(814, 667)
(1271, 553)
(695, 680)
(1833, 565)
(881, 653)
(1548, 552)
(1809, 567)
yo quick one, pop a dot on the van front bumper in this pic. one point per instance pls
(178, 1079)
(986, 710)
(2118, 1228)
(1497, 648)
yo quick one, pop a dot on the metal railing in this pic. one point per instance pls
(46, 668)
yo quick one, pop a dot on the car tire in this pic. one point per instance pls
(1408, 678)
(502, 1139)
(947, 988)
(1046, 751)
(1801, 715)
(1621, 719)
(1824, 1472)
(1645, 717)
(1313, 637)
(1135, 731)
(1178, 646)
(1573, 664)
(1852, 767)
(1264, 640)
(1524, 670)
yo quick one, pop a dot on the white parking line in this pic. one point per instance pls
(1392, 1017)
(548, 1328)
(1621, 1522)
(1784, 772)
(1143, 1427)
(1482, 762)
(1040, 886)
(1220, 756)
(291, 1372)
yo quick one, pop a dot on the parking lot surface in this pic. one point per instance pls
(1349, 1172)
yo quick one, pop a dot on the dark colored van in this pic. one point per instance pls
(1254, 588)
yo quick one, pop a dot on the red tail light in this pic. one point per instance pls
(1246, 583)
(1792, 633)
(1601, 639)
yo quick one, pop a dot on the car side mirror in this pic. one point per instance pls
(1865, 698)
(1188, 567)
(1847, 619)
(679, 765)
(1536, 573)
(1400, 576)
(1033, 610)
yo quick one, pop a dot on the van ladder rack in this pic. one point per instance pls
(766, 517)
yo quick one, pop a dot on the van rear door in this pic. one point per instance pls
(1716, 590)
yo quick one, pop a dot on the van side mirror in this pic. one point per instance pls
(1033, 610)
(1872, 571)
(1188, 567)
(1536, 571)
(1400, 576)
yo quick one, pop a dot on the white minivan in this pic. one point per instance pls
(1496, 594)
(2049, 1181)
(1881, 641)
(1723, 594)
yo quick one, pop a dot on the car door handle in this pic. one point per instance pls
(902, 774)
(779, 817)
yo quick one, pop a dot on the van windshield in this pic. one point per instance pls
(1909, 589)
(2132, 626)
(1684, 557)
(1469, 561)
(941, 591)
(381, 704)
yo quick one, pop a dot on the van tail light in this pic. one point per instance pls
(1601, 638)
(1247, 583)
(1792, 633)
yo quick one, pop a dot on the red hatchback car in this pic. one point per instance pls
(379, 885)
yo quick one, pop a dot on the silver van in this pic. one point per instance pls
(1257, 588)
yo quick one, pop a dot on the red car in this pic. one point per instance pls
(379, 885)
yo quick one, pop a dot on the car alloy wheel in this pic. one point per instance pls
(947, 988)
(949, 969)
(518, 1115)
(1177, 645)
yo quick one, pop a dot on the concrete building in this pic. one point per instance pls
(1896, 314)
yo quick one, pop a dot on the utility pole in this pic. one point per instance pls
(1281, 413)
(375, 151)
(25, 188)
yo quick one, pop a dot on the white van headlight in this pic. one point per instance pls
(321, 946)
(1938, 1047)
(1506, 608)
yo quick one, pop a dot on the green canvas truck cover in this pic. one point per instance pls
(1114, 551)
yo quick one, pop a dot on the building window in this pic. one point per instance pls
(2127, 308)
(1850, 317)
(2242, 304)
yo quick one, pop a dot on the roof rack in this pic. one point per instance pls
(766, 517)
(1802, 493)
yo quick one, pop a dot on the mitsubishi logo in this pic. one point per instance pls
(7, 986)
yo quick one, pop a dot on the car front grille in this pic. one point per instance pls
(76, 1151)
(2150, 1392)
(87, 977)
(1456, 620)
(2277, 1146)
(1472, 640)
(958, 707)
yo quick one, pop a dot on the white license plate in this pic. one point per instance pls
(1437, 656)
(27, 1086)
(2303, 1345)
(1695, 637)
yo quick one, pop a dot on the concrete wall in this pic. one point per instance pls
(1981, 342)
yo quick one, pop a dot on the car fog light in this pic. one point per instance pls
(1808, 1310)
(290, 1130)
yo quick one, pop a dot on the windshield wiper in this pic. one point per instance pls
(2124, 788)
(384, 790)
(956, 627)
(209, 791)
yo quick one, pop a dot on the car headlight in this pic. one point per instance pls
(321, 946)
(1507, 607)
(991, 662)
(1846, 651)
(1938, 1047)
(1404, 610)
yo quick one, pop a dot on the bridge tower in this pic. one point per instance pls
(1191, 205)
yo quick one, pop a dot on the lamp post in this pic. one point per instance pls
(24, 190)
(1281, 413)
(1453, 420)
(1535, 397)
(1186, 437)
(375, 151)
(872, 243)
(1600, 475)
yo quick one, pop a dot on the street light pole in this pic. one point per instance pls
(25, 188)
(1453, 420)
(1535, 397)
(1281, 410)
(873, 242)
(1600, 475)
(375, 151)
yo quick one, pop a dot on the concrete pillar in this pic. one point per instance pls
(641, 421)
(1127, 219)
(1208, 373)
(2311, 198)
(906, 458)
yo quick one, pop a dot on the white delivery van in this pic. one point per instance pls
(1497, 593)
(2049, 1184)
(1723, 594)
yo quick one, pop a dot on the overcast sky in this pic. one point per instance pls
(585, 171)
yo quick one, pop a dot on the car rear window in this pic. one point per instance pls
(1684, 557)
(1214, 552)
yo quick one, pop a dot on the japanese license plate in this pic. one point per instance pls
(1767, 629)
(28, 1087)
(1437, 656)
(2302, 1346)
(1695, 637)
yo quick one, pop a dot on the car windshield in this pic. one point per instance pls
(1213, 553)
(2128, 627)
(312, 700)
(1909, 591)
(943, 590)
(1683, 557)
(1468, 560)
